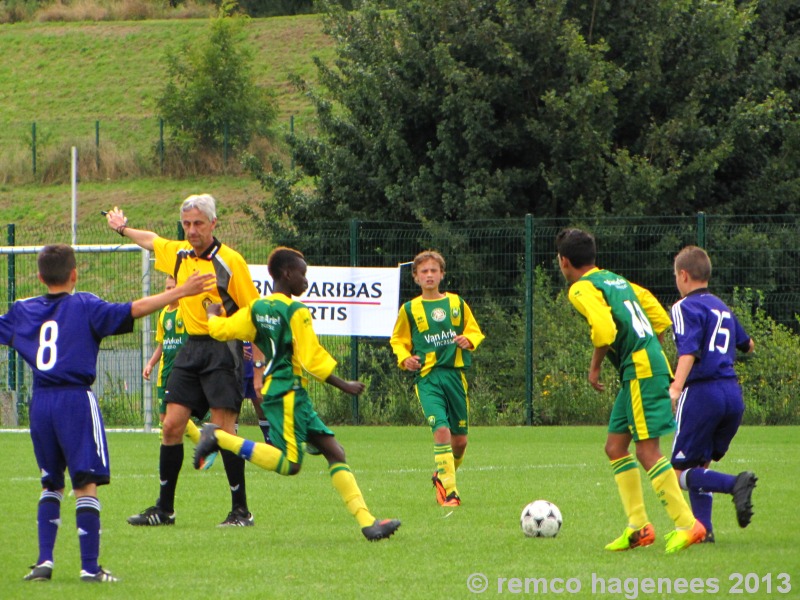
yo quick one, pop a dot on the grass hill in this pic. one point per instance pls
(65, 77)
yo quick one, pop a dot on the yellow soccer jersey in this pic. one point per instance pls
(235, 286)
(427, 328)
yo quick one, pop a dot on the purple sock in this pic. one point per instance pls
(87, 519)
(49, 519)
(701, 507)
(706, 480)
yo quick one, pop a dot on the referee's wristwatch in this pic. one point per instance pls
(258, 364)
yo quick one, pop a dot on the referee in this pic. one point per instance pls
(207, 374)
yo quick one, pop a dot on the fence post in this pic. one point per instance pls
(12, 296)
(147, 337)
(701, 229)
(33, 145)
(354, 339)
(529, 319)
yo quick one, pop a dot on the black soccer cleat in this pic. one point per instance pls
(380, 529)
(743, 497)
(207, 445)
(40, 572)
(238, 517)
(152, 517)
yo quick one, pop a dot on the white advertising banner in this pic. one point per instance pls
(349, 301)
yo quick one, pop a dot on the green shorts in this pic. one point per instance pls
(162, 405)
(643, 408)
(291, 418)
(444, 399)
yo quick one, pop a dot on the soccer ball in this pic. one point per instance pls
(540, 519)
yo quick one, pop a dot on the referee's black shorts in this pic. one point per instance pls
(206, 374)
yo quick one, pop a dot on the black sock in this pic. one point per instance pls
(234, 469)
(169, 469)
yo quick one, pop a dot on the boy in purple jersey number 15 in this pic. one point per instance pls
(58, 335)
(706, 393)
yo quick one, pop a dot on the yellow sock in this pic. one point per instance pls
(665, 483)
(445, 466)
(345, 483)
(262, 455)
(457, 460)
(192, 432)
(629, 484)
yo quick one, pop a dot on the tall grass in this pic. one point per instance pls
(102, 10)
(66, 77)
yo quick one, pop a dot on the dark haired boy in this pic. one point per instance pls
(282, 329)
(626, 322)
(58, 335)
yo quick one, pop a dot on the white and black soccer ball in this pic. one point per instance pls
(540, 518)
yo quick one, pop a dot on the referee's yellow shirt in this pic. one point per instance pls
(235, 286)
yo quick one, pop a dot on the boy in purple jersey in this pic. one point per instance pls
(59, 336)
(705, 392)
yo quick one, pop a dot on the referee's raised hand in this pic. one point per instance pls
(116, 219)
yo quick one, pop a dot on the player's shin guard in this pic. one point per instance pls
(234, 469)
(262, 455)
(170, 463)
(445, 466)
(665, 483)
(87, 520)
(345, 483)
(192, 432)
(457, 460)
(629, 484)
(702, 504)
(49, 519)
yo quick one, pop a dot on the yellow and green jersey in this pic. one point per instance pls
(283, 330)
(426, 328)
(171, 334)
(627, 318)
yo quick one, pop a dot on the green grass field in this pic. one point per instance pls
(305, 544)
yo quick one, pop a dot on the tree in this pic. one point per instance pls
(473, 109)
(211, 96)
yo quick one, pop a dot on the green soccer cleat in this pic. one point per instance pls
(679, 539)
(633, 538)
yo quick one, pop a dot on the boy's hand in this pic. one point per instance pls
(198, 283)
(674, 394)
(594, 380)
(353, 387)
(462, 342)
(214, 310)
(412, 363)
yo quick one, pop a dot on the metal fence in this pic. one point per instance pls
(495, 265)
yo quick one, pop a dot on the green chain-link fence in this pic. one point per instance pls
(532, 367)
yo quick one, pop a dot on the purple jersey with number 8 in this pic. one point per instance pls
(59, 336)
